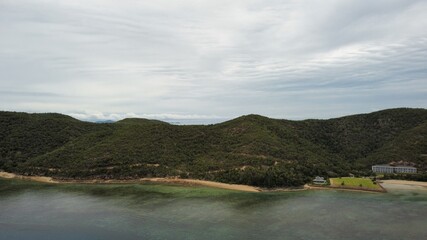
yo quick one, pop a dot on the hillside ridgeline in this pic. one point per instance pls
(252, 149)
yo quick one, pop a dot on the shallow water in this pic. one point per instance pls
(44, 211)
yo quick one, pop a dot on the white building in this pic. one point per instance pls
(405, 169)
(392, 169)
(319, 180)
(382, 169)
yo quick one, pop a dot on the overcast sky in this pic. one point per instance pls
(211, 60)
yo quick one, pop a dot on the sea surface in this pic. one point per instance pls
(30, 210)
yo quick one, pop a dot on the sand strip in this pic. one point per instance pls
(196, 182)
(32, 178)
(237, 187)
(403, 185)
(405, 182)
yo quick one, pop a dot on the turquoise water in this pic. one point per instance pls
(44, 211)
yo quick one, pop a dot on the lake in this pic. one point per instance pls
(30, 210)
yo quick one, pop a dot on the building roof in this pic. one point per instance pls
(405, 167)
(401, 166)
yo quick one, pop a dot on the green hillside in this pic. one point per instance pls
(250, 149)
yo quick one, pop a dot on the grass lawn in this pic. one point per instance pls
(354, 183)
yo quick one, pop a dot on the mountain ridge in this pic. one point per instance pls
(251, 149)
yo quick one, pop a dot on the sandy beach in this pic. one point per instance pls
(387, 184)
(238, 187)
(32, 178)
(405, 182)
(194, 182)
(403, 185)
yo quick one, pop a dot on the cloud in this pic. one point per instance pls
(221, 59)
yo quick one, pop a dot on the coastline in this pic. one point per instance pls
(196, 182)
(31, 178)
(311, 187)
(191, 182)
(177, 181)
(403, 185)
(405, 182)
(392, 184)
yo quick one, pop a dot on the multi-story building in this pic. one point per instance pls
(393, 169)
(405, 169)
(383, 169)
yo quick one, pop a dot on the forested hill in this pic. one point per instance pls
(251, 149)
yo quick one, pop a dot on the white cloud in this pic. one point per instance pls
(294, 59)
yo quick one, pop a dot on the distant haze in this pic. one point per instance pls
(196, 61)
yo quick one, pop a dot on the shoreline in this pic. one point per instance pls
(345, 189)
(7, 175)
(205, 183)
(175, 181)
(188, 182)
(405, 182)
(403, 185)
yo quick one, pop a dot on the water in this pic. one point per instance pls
(44, 211)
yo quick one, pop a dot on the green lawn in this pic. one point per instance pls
(354, 183)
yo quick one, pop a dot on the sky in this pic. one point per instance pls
(205, 61)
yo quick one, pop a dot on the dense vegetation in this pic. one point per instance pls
(251, 149)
